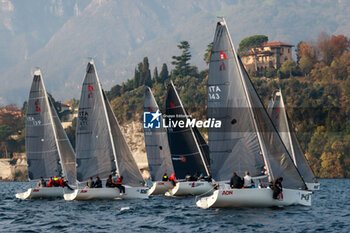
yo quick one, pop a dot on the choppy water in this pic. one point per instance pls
(330, 212)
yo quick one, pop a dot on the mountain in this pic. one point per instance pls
(59, 36)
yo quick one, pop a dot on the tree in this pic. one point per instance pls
(270, 72)
(330, 47)
(306, 64)
(164, 73)
(146, 73)
(181, 63)
(114, 92)
(251, 42)
(306, 57)
(5, 132)
(340, 66)
(71, 130)
(155, 75)
(288, 68)
(207, 54)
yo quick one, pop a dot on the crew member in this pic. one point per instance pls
(236, 181)
(50, 184)
(248, 182)
(109, 182)
(172, 179)
(62, 182)
(188, 176)
(119, 185)
(42, 183)
(56, 182)
(90, 183)
(165, 177)
(277, 188)
(98, 183)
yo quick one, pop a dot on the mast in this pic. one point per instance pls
(268, 168)
(194, 137)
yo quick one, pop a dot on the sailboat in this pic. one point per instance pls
(157, 148)
(101, 149)
(247, 140)
(49, 152)
(189, 151)
(277, 112)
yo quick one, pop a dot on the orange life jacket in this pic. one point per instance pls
(172, 177)
(119, 181)
(50, 183)
(61, 182)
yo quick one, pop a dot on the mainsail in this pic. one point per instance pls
(188, 148)
(278, 115)
(157, 145)
(101, 147)
(48, 149)
(247, 130)
(94, 150)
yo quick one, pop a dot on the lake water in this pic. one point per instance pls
(330, 212)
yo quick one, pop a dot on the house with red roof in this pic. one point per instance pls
(268, 55)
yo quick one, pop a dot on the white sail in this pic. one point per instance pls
(48, 149)
(101, 147)
(232, 95)
(94, 150)
(278, 115)
(65, 148)
(157, 146)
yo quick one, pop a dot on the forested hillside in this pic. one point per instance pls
(316, 90)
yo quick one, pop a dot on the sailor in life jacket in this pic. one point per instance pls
(56, 182)
(172, 179)
(50, 184)
(165, 177)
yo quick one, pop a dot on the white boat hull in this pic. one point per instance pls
(254, 197)
(36, 193)
(160, 187)
(313, 186)
(106, 194)
(188, 188)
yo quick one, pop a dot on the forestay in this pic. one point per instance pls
(42, 153)
(186, 146)
(156, 140)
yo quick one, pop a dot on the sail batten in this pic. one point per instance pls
(156, 140)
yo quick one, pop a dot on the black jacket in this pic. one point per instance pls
(236, 182)
(98, 184)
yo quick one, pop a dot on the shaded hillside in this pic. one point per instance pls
(59, 36)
